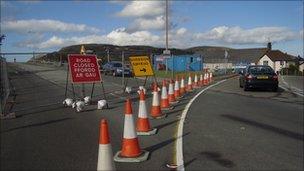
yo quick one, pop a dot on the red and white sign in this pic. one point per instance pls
(84, 68)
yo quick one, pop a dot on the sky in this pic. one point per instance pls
(48, 26)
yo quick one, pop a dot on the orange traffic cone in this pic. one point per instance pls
(155, 109)
(210, 77)
(195, 81)
(201, 81)
(189, 85)
(171, 96)
(176, 89)
(143, 124)
(130, 151)
(105, 154)
(205, 79)
(182, 87)
(164, 105)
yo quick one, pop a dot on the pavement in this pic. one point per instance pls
(47, 136)
(230, 129)
(294, 84)
(225, 127)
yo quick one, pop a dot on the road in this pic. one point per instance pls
(293, 83)
(256, 130)
(225, 127)
(47, 136)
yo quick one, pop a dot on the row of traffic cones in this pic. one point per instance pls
(131, 151)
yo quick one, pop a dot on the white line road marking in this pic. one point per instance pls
(292, 88)
(286, 89)
(179, 139)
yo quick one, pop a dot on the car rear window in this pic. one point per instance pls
(117, 65)
(260, 70)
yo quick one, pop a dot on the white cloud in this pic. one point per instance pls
(157, 23)
(57, 42)
(43, 26)
(117, 37)
(238, 35)
(121, 37)
(181, 31)
(178, 38)
(143, 9)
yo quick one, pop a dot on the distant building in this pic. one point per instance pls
(301, 64)
(277, 60)
(239, 58)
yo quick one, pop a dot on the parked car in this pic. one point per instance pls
(258, 76)
(115, 68)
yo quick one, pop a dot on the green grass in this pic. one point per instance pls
(163, 74)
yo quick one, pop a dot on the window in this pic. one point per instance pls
(265, 63)
(281, 62)
(260, 70)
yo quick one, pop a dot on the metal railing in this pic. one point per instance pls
(5, 88)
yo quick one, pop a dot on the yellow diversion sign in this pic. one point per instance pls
(141, 66)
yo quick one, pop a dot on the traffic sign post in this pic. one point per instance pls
(141, 66)
(83, 69)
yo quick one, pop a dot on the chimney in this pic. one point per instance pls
(269, 45)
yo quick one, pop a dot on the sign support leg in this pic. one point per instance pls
(104, 95)
(145, 81)
(74, 96)
(93, 86)
(83, 90)
(67, 82)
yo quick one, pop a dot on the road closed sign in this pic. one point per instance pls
(141, 66)
(84, 68)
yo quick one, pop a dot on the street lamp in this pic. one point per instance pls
(2, 37)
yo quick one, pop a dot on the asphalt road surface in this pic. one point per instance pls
(225, 128)
(293, 83)
(256, 130)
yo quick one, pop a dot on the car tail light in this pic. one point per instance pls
(275, 77)
(249, 77)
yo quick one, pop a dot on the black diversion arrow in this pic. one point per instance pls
(144, 70)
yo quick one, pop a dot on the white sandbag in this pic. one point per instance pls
(141, 88)
(87, 100)
(128, 90)
(101, 104)
(68, 102)
(79, 105)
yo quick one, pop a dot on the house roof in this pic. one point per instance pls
(234, 55)
(246, 55)
(277, 55)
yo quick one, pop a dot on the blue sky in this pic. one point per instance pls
(50, 25)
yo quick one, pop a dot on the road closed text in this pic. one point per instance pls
(84, 68)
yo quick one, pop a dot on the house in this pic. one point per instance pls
(301, 64)
(214, 57)
(277, 60)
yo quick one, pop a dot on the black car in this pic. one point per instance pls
(115, 68)
(258, 76)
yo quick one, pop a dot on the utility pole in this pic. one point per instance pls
(167, 25)
(108, 54)
(123, 68)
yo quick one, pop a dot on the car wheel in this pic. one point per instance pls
(245, 87)
(275, 89)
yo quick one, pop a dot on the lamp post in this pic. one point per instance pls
(2, 37)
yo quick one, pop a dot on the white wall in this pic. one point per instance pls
(213, 66)
(266, 58)
(276, 66)
(301, 67)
